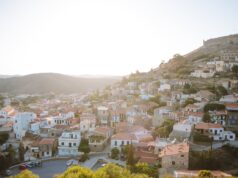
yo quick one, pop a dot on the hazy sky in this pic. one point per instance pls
(106, 37)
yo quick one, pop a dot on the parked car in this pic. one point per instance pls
(72, 162)
(38, 163)
(6, 172)
(29, 165)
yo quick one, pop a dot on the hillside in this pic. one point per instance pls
(52, 82)
(181, 66)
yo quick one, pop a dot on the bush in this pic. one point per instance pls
(189, 101)
(206, 117)
(84, 147)
(3, 138)
(213, 107)
(189, 89)
(165, 129)
(115, 153)
(205, 173)
(197, 137)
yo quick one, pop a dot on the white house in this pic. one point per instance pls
(67, 115)
(21, 123)
(160, 114)
(160, 143)
(229, 98)
(215, 130)
(203, 73)
(195, 117)
(225, 135)
(121, 139)
(34, 126)
(165, 87)
(88, 123)
(103, 115)
(182, 127)
(68, 143)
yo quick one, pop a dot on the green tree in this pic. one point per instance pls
(221, 91)
(21, 151)
(164, 129)
(76, 172)
(144, 168)
(131, 160)
(25, 174)
(156, 99)
(3, 137)
(235, 69)
(115, 153)
(4, 162)
(189, 89)
(206, 117)
(189, 101)
(112, 171)
(213, 107)
(84, 146)
(11, 155)
(108, 171)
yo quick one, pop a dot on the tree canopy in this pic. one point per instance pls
(83, 146)
(3, 138)
(164, 129)
(108, 171)
(25, 174)
(213, 107)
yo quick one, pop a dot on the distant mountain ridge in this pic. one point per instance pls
(52, 82)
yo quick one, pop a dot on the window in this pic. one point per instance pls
(47, 153)
(62, 143)
(231, 137)
(182, 155)
(74, 144)
(122, 143)
(95, 145)
(115, 143)
(173, 162)
(128, 142)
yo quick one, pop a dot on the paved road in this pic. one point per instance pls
(53, 167)
(48, 169)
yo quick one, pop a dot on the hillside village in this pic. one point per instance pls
(169, 115)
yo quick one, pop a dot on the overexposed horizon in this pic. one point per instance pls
(107, 38)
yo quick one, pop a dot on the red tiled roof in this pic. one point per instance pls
(60, 126)
(47, 141)
(146, 157)
(123, 136)
(174, 149)
(103, 130)
(206, 126)
(232, 105)
(196, 114)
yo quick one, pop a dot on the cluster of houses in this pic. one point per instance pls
(222, 63)
(127, 116)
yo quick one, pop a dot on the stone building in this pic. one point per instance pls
(175, 156)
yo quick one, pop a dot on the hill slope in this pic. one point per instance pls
(52, 82)
(181, 66)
